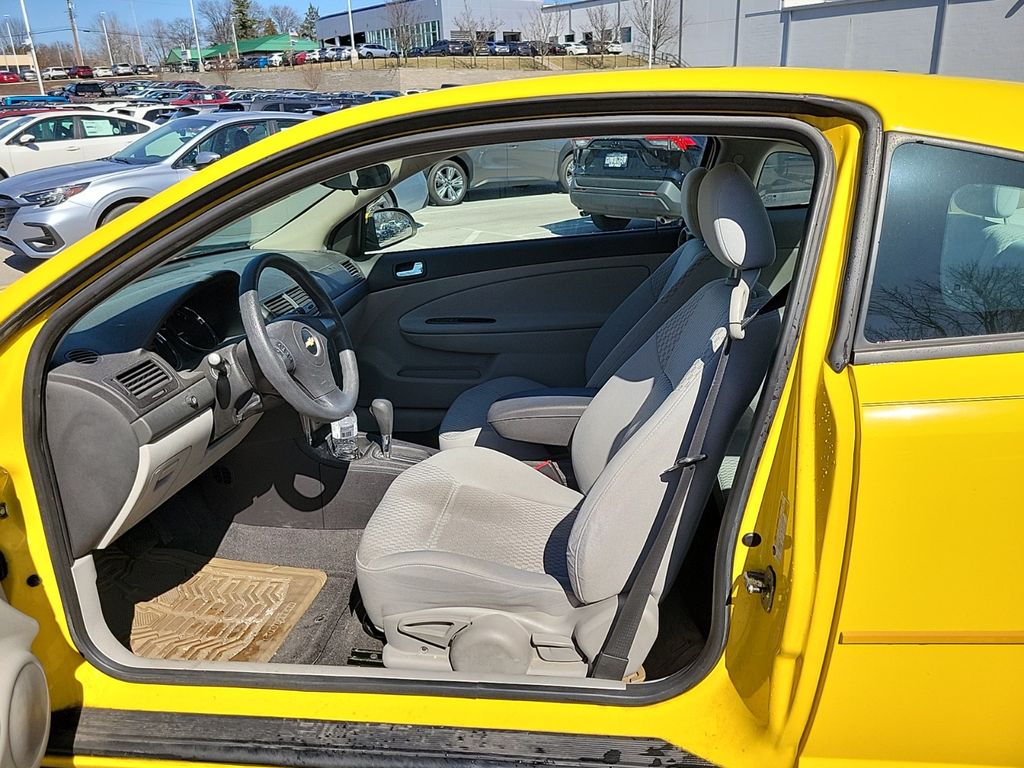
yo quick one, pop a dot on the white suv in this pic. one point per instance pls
(123, 68)
(54, 73)
(374, 51)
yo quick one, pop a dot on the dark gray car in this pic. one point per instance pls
(515, 164)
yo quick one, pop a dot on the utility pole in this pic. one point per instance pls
(106, 36)
(234, 36)
(74, 32)
(650, 38)
(31, 48)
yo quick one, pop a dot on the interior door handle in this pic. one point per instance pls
(409, 270)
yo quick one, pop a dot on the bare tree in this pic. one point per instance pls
(121, 39)
(217, 15)
(543, 26)
(476, 28)
(403, 16)
(284, 17)
(666, 22)
(312, 77)
(602, 23)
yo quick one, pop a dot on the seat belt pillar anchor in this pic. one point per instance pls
(685, 461)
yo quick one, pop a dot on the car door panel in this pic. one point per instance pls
(502, 309)
(24, 699)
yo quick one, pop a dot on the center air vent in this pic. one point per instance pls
(294, 300)
(83, 356)
(142, 381)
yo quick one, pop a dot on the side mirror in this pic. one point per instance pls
(386, 227)
(26, 138)
(204, 159)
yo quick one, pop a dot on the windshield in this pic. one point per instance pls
(163, 142)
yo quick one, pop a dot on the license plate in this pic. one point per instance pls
(616, 160)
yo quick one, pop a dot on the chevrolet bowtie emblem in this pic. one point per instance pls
(309, 342)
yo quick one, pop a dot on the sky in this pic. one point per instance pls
(49, 18)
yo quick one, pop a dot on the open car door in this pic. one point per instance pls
(24, 699)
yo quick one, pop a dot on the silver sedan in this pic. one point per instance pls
(42, 212)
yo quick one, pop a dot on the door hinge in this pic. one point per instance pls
(761, 583)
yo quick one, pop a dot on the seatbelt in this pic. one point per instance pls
(613, 659)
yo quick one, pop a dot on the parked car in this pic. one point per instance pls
(556, 49)
(338, 52)
(78, 93)
(529, 49)
(124, 68)
(142, 69)
(616, 179)
(83, 71)
(614, 47)
(40, 201)
(375, 51)
(504, 48)
(449, 48)
(54, 73)
(286, 104)
(200, 97)
(513, 164)
(576, 49)
(48, 139)
(275, 60)
(103, 72)
(27, 74)
(9, 77)
(416, 51)
(151, 112)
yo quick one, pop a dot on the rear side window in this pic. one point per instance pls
(950, 256)
(786, 178)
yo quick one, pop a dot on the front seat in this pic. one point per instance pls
(688, 268)
(476, 562)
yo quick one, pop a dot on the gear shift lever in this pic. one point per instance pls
(384, 413)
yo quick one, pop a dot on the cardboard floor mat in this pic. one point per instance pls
(186, 606)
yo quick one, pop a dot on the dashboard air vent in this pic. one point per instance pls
(294, 300)
(83, 356)
(142, 378)
(352, 269)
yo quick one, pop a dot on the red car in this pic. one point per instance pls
(200, 97)
(9, 77)
(82, 71)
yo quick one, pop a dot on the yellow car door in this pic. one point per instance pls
(928, 652)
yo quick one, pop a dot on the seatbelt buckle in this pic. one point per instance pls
(683, 462)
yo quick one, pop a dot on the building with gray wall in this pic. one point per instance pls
(974, 38)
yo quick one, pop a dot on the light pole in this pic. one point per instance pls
(106, 36)
(10, 39)
(74, 32)
(234, 36)
(195, 31)
(138, 34)
(353, 53)
(31, 48)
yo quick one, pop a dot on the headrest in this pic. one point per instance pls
(689, 190)
(988, 200)
(733, 220)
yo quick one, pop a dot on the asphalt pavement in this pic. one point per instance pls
(12, 267)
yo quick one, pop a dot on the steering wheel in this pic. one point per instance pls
(296, 355)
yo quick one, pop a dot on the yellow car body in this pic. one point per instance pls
(896, 636)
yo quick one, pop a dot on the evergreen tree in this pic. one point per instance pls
(246, 25)
(307, 28)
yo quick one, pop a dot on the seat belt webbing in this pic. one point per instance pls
(613, 659)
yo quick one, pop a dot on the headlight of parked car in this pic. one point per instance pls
(54, 196)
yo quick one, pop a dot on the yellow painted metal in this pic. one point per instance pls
(755, 705)
(930, 629)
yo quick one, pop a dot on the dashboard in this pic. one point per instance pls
(137, 406)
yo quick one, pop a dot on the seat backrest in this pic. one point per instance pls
(646, 412)
(689, 267)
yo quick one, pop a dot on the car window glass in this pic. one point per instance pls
(97, 127)
(786, 178)
(162, 142)
(53, 129)
(950, 256)
(554, 188)
(229, 139)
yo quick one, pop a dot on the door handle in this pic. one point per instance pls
(409, 270)
(73, 149)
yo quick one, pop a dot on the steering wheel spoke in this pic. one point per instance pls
(309, 361)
